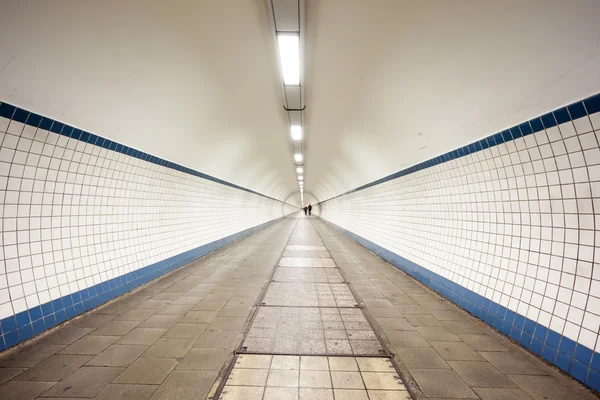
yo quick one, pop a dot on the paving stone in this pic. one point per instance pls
(54, 368)
(242, 392)
(186, 385)
(423, 320)
(15, 390)
(218, 339)
(160, 321)
(481, 374)
(90, 345)
(31, 355)
(209, 306)
(283, 378)
(382, 381)
(395, 324)
(84, 382)
(175, 309)
(342, 364)
(145, 336)
(406, 339)
(511, 363)
(116, 328)
(169, 348)
(126, 392)
(483, 343)
(456, 351)
(465, 327)
(542, 387)
(350, 394)
(153, 304)
(248, 377)
(94, 320)
(347, 380)
(390, 395)
(205, 359)
(7, 373)
(276, 393)
(366, 364)
(227, 324)
(501, 394)
(118, 355)
(442, 383)
(67, 335)
(147, 371)
(136, 314)
(255, 362)
(437, 333)
(184, 330)
(313, 394)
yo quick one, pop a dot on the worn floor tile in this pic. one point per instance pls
(67, 335)
(483, 343)
(118, 355)
(242, 393)
(89, 345)
(7, 373)
(414, 357)
(54, 368)
(218, 339)
(30, 356)
(481, 374)
(185, 385)
(455, 351)
(116, 328)
(442, 383)
(16, 390)
(542, 387)
(501, 394)
(84, 382)
(204, 359)
(126, 392)
(511, 363)
(169, 348)
(151, 371)
(183, 330)
(145, 336)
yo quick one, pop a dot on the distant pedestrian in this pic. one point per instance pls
(309, 209)
(305, 210)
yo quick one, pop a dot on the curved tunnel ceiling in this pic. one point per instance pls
(193, 82)
(392, 83)
(389, 83)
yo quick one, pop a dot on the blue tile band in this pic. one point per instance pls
(571, 112)
(578, 361)
(34, 321)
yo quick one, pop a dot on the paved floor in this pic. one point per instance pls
(297, 311)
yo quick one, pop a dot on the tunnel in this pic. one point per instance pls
(300, 199)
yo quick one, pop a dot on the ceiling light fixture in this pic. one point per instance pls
(289, 52)
(300, 178)
(299, 170)
(298, 157)
(296, 132)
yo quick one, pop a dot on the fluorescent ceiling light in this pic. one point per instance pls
(289, 52)
(296, 132)
(299, 170)
(300, 178)
(298, 157)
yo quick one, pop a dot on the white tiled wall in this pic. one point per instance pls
(517, 223)
(74, 215)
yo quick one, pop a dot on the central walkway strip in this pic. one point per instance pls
(309, 339)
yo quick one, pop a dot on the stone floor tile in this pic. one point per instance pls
(186, 385)
(442, 383)
(248, 377)
(242, 393)
(118, 355)
(367, 364)
(175, 309)
(437, 333)
(481, 374)
(218, 339)
(315, 394)
(169, 348)
(209, 306)
(350, 394)
(511, 363)
(136, 314)
(382, 381)
(283, 378)
(116, 328)
(542, 387)
(314, 363)
(183, 330)
(84, 382)
(145, 336)
(286, 362)
(465, 327)
(30, 355)
(54, 368)
(277, 393)
(406, 339)
(89, 345)
(314, 379)
(126, 392)
(501, 394)
(153, 304)
(227, 324)
(422, 320)
(483, 343)
(150, 371)
(422, 358)
(390, 395)
(205, 359)
(395, 324)
(246, 361)
(456, 351)
(15, 390)
(7, 373)
(343, 364)
(160, 321)
(94, 320)
(67, 335)
(347, 380)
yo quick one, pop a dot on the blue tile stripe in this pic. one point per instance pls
(29, 323)
(575, 359)
(37, 121)
(559, 116)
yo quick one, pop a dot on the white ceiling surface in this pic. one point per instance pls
(392, 83)
(195, 82)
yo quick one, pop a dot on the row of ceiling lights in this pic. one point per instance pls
(286, 17)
